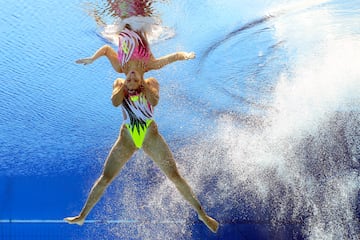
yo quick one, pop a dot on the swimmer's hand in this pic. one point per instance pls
(190, 55)
(84, 61)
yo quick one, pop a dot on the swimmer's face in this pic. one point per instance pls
(134, 71)
(133, 80)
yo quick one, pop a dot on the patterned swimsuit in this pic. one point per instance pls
(138, 115)
(138, 112)
(132, 47)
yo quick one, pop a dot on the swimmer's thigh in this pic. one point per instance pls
(155, 146)
(120, 153)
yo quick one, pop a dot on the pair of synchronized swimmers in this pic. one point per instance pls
(138, 97)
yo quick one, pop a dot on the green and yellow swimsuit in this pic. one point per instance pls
(138, 115)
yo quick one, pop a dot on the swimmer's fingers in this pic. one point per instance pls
(84, 61)
(190, 55)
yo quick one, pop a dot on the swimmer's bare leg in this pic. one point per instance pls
(155, 146)
(118, 156)
(106, 51)
(157, 63)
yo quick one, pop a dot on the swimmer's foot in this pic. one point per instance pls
(211, 223)
(75, 220)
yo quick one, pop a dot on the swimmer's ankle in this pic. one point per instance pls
(211, 223)
(75, 220)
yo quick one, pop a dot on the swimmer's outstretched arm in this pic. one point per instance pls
(158, 63)
(106, 51)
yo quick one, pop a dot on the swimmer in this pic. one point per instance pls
(138, 97)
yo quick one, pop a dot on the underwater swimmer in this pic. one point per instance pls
(138, 97)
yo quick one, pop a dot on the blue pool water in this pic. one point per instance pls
(264, 123)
